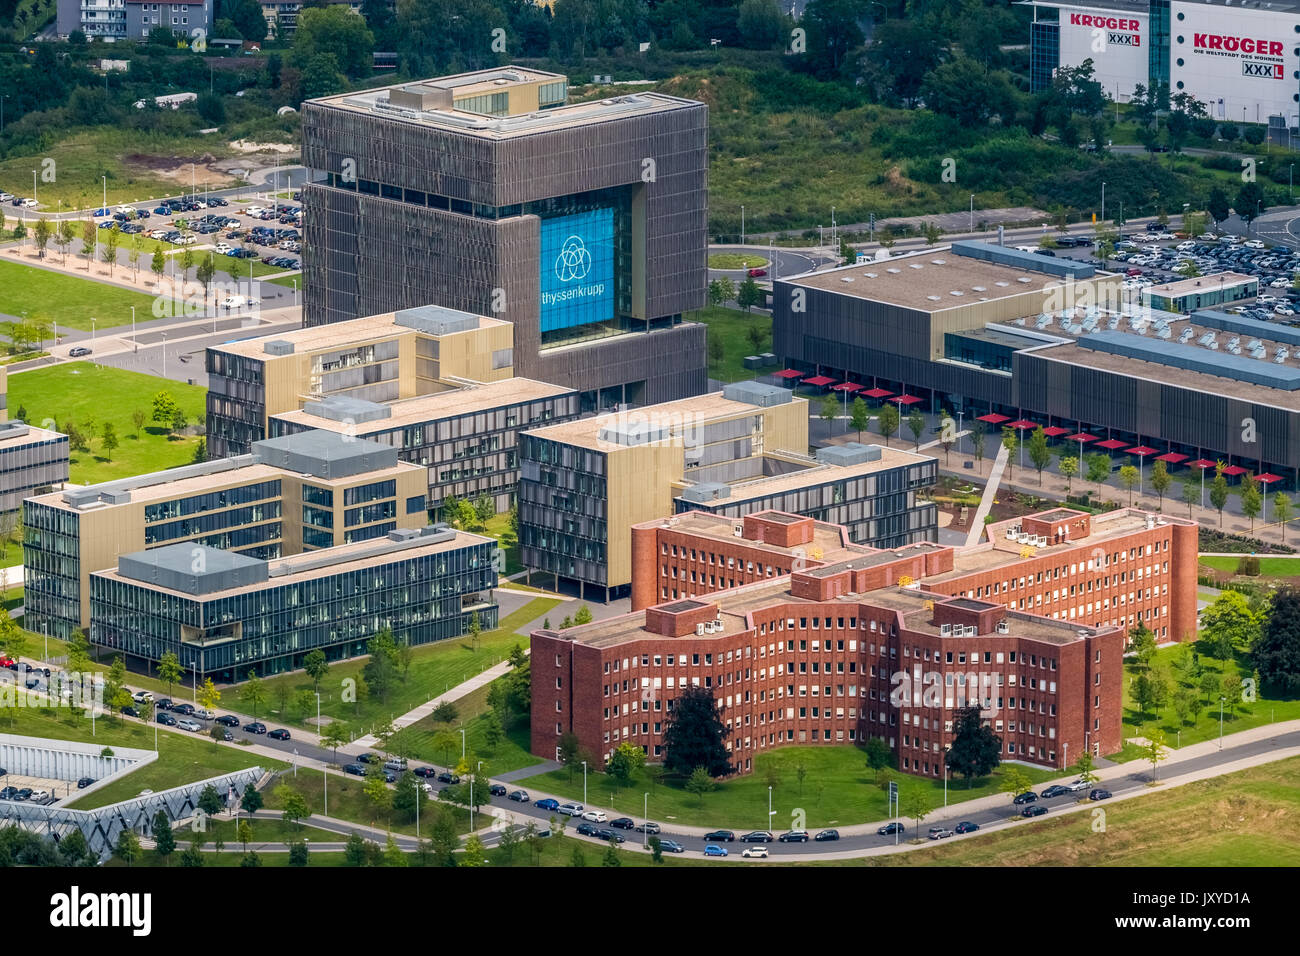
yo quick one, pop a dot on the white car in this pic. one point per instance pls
(186, 240)
(755, 852)
(1253, 244)
(39, 796)
(142, 697)
(596, 816)
(1078, 785)
(255, 210)
(1166, 235)
(30, 202)
(1283, 310)
(1187, 246)
(1229, 238)
(5, 197)
(1266, 299)
(191, 725)
(223, 247)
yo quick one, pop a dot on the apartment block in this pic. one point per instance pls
(378, 358)
(585, 483)
(224, 614)
(291, 494)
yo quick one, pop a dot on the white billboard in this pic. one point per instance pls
(1115, 42)
(1242, 63)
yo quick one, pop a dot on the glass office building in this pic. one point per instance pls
(224, 614)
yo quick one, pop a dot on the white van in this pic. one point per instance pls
(395, 764)
(1026, 248)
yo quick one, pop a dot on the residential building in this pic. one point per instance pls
(582, 224)
(585, 483)
(291, 494)
(132, 19)
(224, 614)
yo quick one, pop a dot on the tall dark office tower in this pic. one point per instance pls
(583, 224)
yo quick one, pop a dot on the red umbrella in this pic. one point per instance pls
(1268, 478)
(1082, 437)
(1142, 450)
(847, 387)
(1055, 431)
(788, 373)
(1171, 457)
(1233, 470)
(1110, 444)
(1202, 463)
(993, 418)
(906, 399)
(818, 380)
(877, 393)
(1023, 424)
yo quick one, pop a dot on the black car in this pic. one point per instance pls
(425, 772)
(229, 720)
(356, 769)
(279, 734)
(255, 728)
(757, 836)
(23, 794)
(164, 704)
(369, 758)
(85, 782)
(1034, 811)
(1099, 794)
(965, 827)
(623, 823)
(586, 829)
(448, 777)
(497, 790)
(648, 827)
(8, 793)
(889, 829)
(609, 836)
(227, 735)
(720, 836)
(33, 682)
(827, 835)
(1055, 790)
(389, 776)
(185, 710)
(795, 836)
(519, 796)
(166, 719)
(130, 712)
(1027, 797)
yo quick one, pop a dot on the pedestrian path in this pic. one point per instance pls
(986, 502)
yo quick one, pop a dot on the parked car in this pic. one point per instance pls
(547, 803)
(795, 836)
(142, 697)
(609, 836)
(824, 836)
(446, 777)
(721, 836)
(570, 809)
(255, 728)
(713, 850)
(356, 769)
(85, 782)
(966, 827)
(671, 846)
(940, 833)
(497, 790)
(130, 712)
(595, 816)
(8, 793)
(78, 351)
(166, 719)
(425, 772)
(1055, 790)
(623, 823)
(586, 828)
(757, 836)
(1078, 785)
(227, 736)
(889, 829)
(648, 827)
(279, 734)
(1027, 797)
(185, 710)
(191, 725)
(518, 796)
(229, 720)
(1099, 794)
(1037, 810)
(755, 852)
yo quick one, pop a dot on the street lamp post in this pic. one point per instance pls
(1221, 700)
(645, 818)
(972, 212)
(584, 783)
(742, 224)
(164, 351)
(462, 742)
(419, 795)
(135, 345)
(1103, 202)
(1290, 183)
(295, 762)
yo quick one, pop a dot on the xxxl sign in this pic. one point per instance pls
(1123, 39)
(1270, 71)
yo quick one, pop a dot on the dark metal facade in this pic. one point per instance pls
(371, 253)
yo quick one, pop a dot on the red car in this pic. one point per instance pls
(757, 273)
(1133, 272)
(8, 662)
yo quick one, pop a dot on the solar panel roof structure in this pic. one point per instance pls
(1196, 359)
(991, 252)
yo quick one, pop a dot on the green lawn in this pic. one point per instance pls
(181, 759)
(347, 801)
(1241, 819)
(510, 753)
(1243, 716)
(288, 281)
(1268, 567)
(231, 856)
(737, 260)
(499, 527)
(434, 669)
(67, 300)
(89, 393)
(731, 326)
(837, 790)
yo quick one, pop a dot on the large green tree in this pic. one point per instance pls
(975, 748)
(336, 30)
(695, 734)
(1276, 654)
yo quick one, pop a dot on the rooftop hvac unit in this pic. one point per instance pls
(1259, 352)
(1043, 322)
(1003, 628)
(1019, 321)
(1165, 332)
(1234, 349)
(717, 623)
(1011, 534)
(1213, 346)
(1282, 354)
(699, 628)
(1206, 339)
(1187, 335)
(1140, 329)
(1090, 322)
(1254, 344)
(1112, 323)
(1234, 342)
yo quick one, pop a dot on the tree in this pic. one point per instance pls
(163, 838)
(1009, 443)
(626, 760)
(721, 290)
(1251, 500)
(1129, 477)
(914, 803)
(254, 693)
(760, 23)
(205, 272)
(169, 670)
(829, 408)
(298, 854)
(334, 31)
(749, 294)
(1014, 781)
(878, 755)
(334, 735)
(158, 262)
(611, 857)
(977, 436)
(1230, 689)
(316, 666)
(916, 425)
(164, 409)
(582, 615)
(947, 436)
(1249, 203)
(757, 336)
(89, 242)
(859, 417)
(577, 858)
(108, 440)
(493, 732)
(699, 783)
(41, 234)
(1151, 691)
(1142, 642)
(74, 850)
(127, 848)
(444, 741)
(969, 91)
(251, 800)
(1085, 768)
(975, 748)
(1276, 653)
(381, 669)
(66, 235)
(475, 630)
(1219, 493)
(247, 17)
(354, 850)
(887, 420)
(1283, 511)
(179, 421)
(485, 509)
(717, 352)
(293, 805)
(694, 734)
(210, 801)
(1039, 454)
(1160, 480)
(1229, 623)
(1155, 749)
(244, 833)
(474, 852)
(375, 787)
(1068, 466)
(446, 713)
(1184, 699)
(111, 242)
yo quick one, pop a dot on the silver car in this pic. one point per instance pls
(191, 725)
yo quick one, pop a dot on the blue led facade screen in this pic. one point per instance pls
(577, 270)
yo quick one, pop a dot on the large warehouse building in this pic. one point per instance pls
(1241, 59)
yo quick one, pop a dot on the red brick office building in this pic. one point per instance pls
(806, 638)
